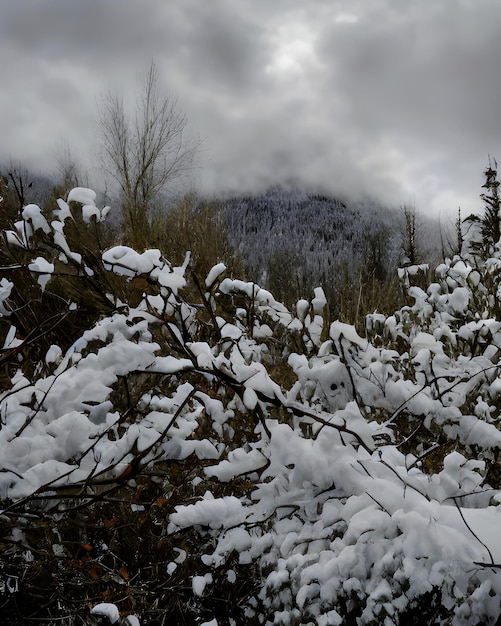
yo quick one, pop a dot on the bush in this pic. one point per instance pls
(229, 458)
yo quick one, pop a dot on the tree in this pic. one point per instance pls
(451, 237)
(69, 170)
(491, 231)
(20, 186)
(458, 231)
(375, 262)
(410, 245)
(144, 152)
(22, 183)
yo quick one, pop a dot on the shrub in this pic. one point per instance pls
(230, 458)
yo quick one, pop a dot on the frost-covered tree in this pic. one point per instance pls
(459, 239)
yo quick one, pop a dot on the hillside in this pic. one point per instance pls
(290, 240)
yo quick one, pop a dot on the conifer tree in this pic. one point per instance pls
(459, 233)
(491, 232)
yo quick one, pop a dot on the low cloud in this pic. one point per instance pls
(396, 100)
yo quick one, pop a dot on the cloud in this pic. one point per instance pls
(423, 81)
(393, 99)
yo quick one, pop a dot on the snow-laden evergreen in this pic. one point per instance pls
(341, 478)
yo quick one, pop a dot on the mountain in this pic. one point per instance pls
(291, 241)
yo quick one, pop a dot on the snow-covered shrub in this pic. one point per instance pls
(230, 459)
(61, 287)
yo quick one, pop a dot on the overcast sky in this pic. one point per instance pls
(398, 99)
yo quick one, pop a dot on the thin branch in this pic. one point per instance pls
(471, 531)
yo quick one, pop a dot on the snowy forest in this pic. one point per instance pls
(273, 409)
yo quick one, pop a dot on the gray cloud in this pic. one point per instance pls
(394, 99)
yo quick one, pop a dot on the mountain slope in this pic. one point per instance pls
(291, 241)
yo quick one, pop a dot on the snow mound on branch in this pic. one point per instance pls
(127, 262)
(6, 287)
(32, 213)
(108, 610)
(214, 513)
(83, 195)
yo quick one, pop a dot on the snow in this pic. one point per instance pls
(239, 462)
(5, 291)
(214, 274)
(459, 300)
(11, 341)
(63, 212)
(302, 308)
(250, 398)
(319, 301)
(215, 513)
(33, 214)
(60, 241)
(169, 365)
(14, 239)
(125, 260)
(342, 506)
(106, 609)
(82, 195)
(43, 269)
(89, 211)
(199, 583)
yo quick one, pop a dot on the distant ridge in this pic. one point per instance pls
(292, 240)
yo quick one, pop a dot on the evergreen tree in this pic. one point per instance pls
(459, 233)
(491, 232)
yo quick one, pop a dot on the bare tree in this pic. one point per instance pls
(144, 152)
(21, 180)
(25, 186)
(69, 169)
(410, 244)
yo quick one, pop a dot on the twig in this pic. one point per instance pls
(471, 531)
